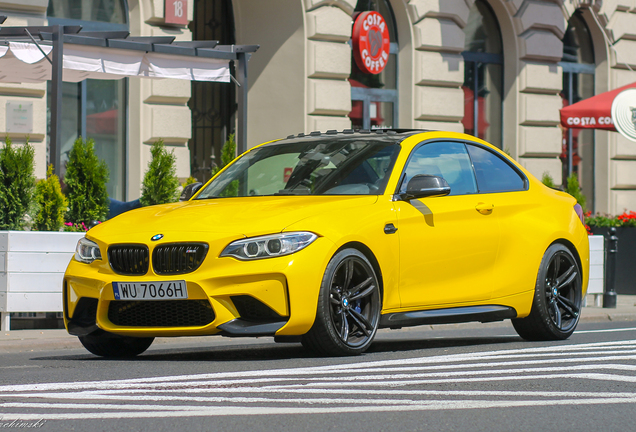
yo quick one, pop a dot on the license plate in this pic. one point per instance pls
(150, 290)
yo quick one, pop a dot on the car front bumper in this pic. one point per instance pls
(273, 296)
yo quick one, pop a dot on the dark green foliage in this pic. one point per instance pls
(602, 220)
(51, 203)
(574, 189)
(160, 181)
(228, 154)
(190, 180)
(86, 177)
(548, 180)
(17, 183)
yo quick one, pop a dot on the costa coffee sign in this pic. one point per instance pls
(371, 42)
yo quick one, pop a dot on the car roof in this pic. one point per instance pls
(360, 133)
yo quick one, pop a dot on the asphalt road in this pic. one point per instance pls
(479, 377)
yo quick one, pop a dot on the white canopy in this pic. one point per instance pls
(24, 62)
(65, 53)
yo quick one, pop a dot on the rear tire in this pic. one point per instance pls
(348, 309)
(556, 306)
(106, 344)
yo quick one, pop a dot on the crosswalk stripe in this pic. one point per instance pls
(410, 384)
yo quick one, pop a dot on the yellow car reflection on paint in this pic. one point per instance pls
(324, 238)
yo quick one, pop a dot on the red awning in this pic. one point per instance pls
(592, 113)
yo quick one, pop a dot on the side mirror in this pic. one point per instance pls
(422, 186)
(189, 191)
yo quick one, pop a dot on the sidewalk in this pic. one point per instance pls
(41, 340)
(625, 310)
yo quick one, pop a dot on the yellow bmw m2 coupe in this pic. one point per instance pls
(324, 238)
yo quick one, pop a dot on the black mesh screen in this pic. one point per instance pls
(161, 313)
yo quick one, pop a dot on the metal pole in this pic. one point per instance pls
(55, 139)
(241, 77)
(609, 296)
(570, 101)
(366, 113)
(82, 110)
(475, 100)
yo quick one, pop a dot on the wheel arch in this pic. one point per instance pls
(368, 253)
(570, 246)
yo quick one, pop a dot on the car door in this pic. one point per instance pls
(502, 184)
(448, 244)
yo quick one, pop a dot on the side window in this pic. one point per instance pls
(445, 159)
(493, 173)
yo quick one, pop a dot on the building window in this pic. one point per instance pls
(578, 66)
(213, 105)
(94, 108)
(374, 97)
(483, 75)
(98, 15)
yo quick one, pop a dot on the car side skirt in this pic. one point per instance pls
(483, 313)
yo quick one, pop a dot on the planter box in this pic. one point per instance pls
(32, 265)
(597, 268)
(625, 263)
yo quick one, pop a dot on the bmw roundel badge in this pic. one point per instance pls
(157, 237)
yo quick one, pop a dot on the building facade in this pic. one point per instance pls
(497, 69)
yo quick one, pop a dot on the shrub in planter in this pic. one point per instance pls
(190, 180)
(51, 203)
(17, 183)
(86, 177)
(625, 224)
(574, 189)
(160, 185)
(228, 154)
(548, 180)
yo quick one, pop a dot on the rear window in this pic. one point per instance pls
(493, 173)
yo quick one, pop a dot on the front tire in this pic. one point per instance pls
(348, 309)
(106, 344)
(556, 307)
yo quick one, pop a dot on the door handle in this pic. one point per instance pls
(484, 208)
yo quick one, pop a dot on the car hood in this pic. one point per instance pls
(228, 217)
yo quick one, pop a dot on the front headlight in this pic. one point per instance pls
(87, 251)
(269, 246)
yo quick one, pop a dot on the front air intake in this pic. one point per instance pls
(178, 258)
(161, 313)
(252, 309)
(129, 259)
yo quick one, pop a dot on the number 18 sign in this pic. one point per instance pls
(176, 12)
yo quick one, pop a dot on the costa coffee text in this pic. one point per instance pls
(589, 121)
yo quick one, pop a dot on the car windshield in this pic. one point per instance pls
(309, 166)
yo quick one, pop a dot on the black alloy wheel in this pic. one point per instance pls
(349, 307)
(557, 301)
